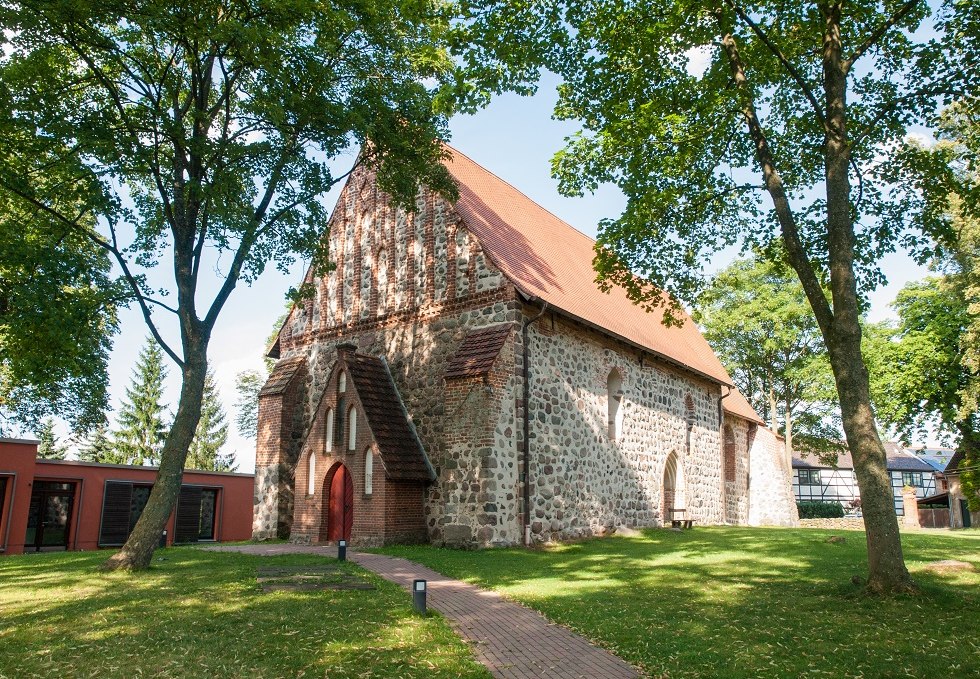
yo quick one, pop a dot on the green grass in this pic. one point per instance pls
(201, 614)
(741, 602)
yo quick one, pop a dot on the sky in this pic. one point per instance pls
(515, 138)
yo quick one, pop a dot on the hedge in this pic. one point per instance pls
(820, 510)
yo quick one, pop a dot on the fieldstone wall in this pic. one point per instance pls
(771, 499)
(476, 499)
(736, 490)
(583, 481)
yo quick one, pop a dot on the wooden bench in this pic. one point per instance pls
(678, 520)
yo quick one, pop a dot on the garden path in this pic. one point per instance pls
(512, 641)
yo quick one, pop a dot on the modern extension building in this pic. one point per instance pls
(51, 505)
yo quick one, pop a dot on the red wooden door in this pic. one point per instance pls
(341, 508)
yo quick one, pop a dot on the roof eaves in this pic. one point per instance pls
(411, 424)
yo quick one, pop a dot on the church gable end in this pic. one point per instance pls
(390, 263)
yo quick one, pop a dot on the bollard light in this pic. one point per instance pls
(418, 596)
(342, 550)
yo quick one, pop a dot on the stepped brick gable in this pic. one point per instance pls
(459, 378)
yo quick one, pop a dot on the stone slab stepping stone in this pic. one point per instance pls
(309, 579)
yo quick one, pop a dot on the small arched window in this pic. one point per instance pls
(329, 436)
(339, 424)
(311, 470)
(614, 398)
(730, 453)
(342, 382)
(368, 472)
(351, 428)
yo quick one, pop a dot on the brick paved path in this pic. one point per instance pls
(512, 641)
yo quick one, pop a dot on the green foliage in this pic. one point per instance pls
(204, 132)
(57, 319)
(141, 421)
(820, 510)
(740, 603)
(99, 447)
(49, 448)
(756, 317)
(663, 119)
(919, 375)
(248, 384)
(211, 434)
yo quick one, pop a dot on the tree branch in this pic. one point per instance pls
(794, 73)
(877, 34)
(774, 185)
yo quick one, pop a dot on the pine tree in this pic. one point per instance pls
(98, 447)
(49, 449)
(141, 420)
(211, 433)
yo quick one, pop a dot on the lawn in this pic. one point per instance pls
(202, 614)
(742, 602)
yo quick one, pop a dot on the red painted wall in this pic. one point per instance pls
(17, 465)
(234, 507)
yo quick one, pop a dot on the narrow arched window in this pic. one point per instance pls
(342, 382)
(329, 436)
(351, 428)
(311, 481)
(730, 453)
(614, 398)
(338, 427)
(383, 283)
(368, 472)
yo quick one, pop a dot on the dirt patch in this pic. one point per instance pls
(309, 579)
(947, 565)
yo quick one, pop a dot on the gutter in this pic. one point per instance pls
(526, 452)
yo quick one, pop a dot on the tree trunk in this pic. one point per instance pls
(886, 564)
(139, 547)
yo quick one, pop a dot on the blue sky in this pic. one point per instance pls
(515, 137)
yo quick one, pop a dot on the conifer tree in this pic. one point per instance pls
(98, 447)
(141, 420)
(49, 449)
(211, 433)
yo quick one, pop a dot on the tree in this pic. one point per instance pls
(98, 447)
(211, 434)
(248, 384)
(756, 317)
(142, 426)
(203, 132)
(57, 318)
(48, 448)
(769, 123)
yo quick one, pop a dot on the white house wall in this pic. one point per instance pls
(840, 485)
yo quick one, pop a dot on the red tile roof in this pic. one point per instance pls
(549, 260)
(478, 351)
(281, 376)
(401, 450)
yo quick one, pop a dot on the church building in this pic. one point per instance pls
(459, 378)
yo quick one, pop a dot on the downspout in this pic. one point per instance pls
(526, 452)
(721, 435)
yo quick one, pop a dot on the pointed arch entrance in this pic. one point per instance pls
(338, 491)
(672, 492)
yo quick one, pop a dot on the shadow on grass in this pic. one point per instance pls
(734, 602)
(202, 614)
